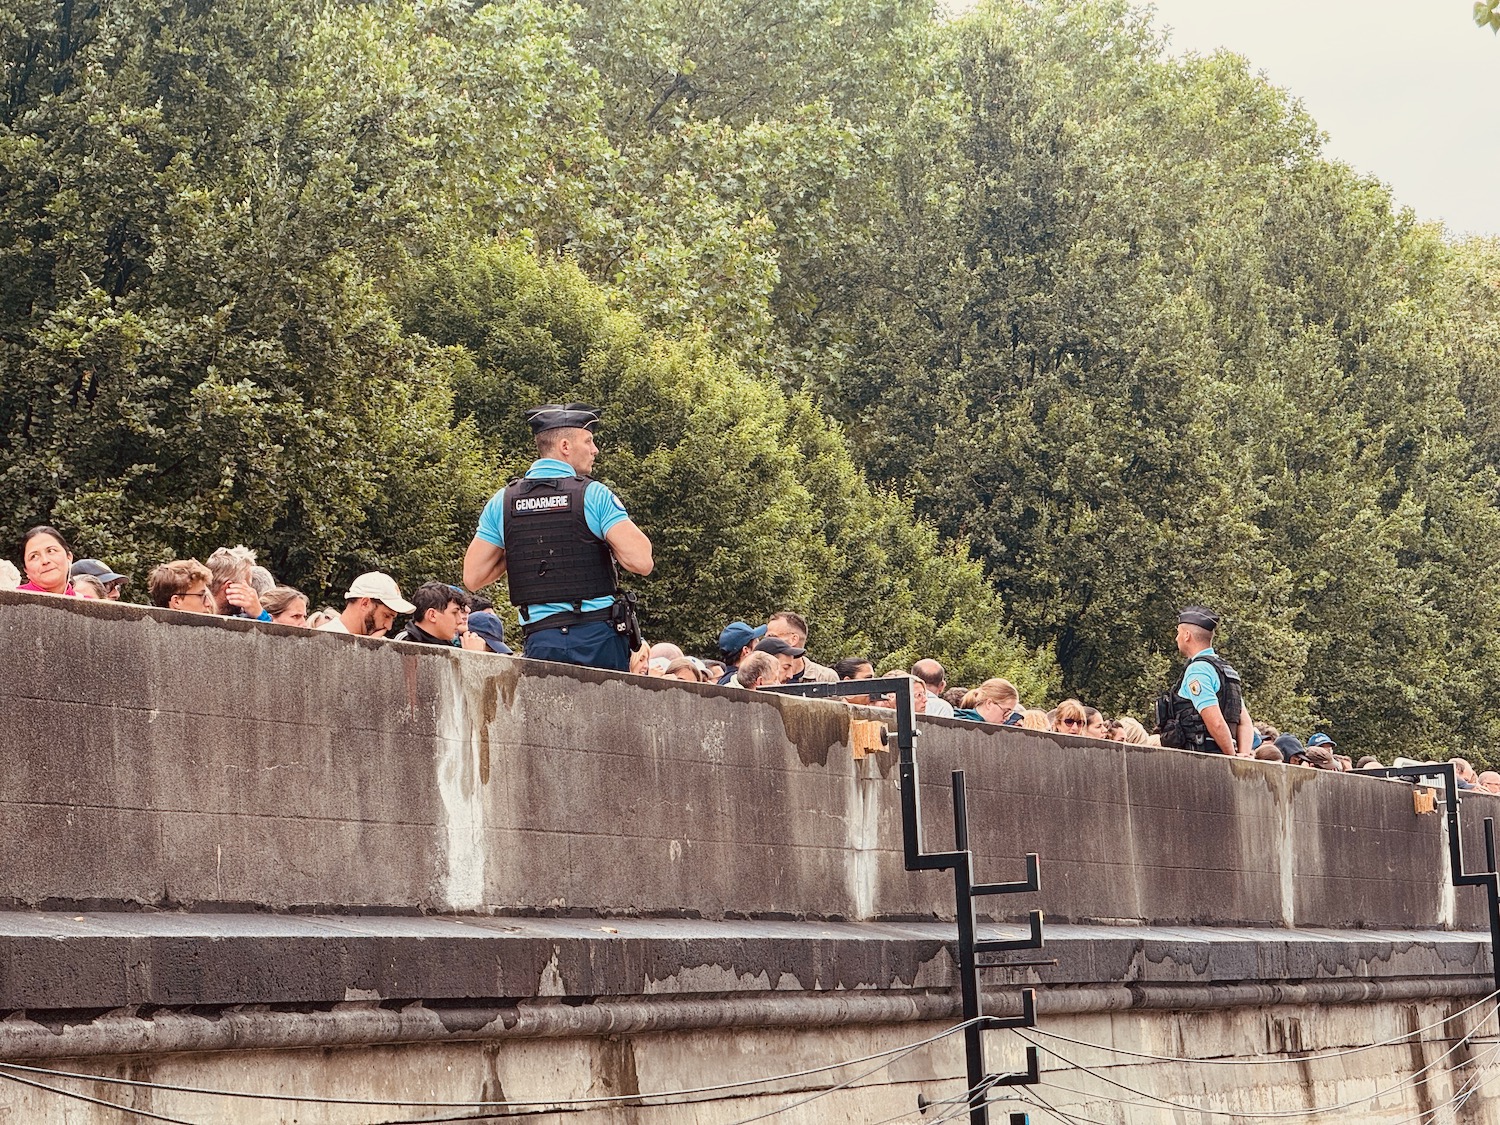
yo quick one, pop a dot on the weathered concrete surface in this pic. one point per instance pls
(254, 859)
(1419, 1075)
(159, 761)
(115, 961)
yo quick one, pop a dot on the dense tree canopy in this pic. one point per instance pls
(993, 338)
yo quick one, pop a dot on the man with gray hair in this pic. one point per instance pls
(758, 670)
(233, 591)
(934, 679)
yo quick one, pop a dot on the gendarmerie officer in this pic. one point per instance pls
(559, 535)
(1207, 712)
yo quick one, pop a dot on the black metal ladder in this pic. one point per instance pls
(960, 860)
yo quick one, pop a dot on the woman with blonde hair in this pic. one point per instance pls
(994, 701)
(1070, 717)
(1034, 718)
(1126, 729)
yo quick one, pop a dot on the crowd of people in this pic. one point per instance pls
(232, 583)
(561, 538)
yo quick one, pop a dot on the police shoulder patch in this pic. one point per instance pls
(1195, 687)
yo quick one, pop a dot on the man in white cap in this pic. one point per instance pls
(370, 607)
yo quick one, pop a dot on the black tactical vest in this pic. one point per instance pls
(550, 553)
(1178, 721)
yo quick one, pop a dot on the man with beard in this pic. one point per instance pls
(370, 607)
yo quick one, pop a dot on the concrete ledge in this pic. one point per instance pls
(157, 760)
(262, 1027)
(102, 962)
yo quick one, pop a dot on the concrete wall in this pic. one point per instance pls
(155, 760)
(254, 859)
(1414, 1079)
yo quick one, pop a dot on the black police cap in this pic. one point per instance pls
(563, 416)
(1200, 616)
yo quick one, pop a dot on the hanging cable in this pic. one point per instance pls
(1276, 1061)
(251, 1095)
(922, 1108)
(887, 1058)
(815, 1096)
(144, 1113)
(956, 1106)
(1425, 1117)
(1476, 1082)
(1061, 1115)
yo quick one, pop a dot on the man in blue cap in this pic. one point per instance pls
(1207, 712)
(559, 534)
(737, 641)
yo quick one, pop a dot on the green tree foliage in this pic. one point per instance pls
(750, 140)
(995, 338)
(201, 207)
(1133, 337)
(751, 499)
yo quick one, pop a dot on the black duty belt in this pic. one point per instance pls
(565, 619)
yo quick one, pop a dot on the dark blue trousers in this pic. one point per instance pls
(597, 644)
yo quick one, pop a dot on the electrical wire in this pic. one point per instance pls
(887, 1058)
(892, 1054)
(923, 1107)
(1263, 1116)
(960, 1104)
(1476, 1082)
(1069, 1118)
(1270, 1062)
(818, 1094)
(1469, 1088)
(144, 1113)
(1426, 1117)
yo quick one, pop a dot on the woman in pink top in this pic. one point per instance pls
(47, 558)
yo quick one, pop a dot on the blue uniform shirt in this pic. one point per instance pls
(601, 510)
(1200, 682)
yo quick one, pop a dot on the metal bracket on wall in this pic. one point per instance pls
(1488, 879)
(961, 862)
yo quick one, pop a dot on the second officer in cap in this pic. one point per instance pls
(559, 534)
(1207, 711)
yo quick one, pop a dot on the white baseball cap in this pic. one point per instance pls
(381, 587)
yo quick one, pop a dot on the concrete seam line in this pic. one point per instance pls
(172, 1032)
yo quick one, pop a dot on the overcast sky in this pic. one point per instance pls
(1407, 90)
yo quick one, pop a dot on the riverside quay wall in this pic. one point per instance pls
(247, 867)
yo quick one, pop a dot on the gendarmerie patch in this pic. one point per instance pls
(529, 505)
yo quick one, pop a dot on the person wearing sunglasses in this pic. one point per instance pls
(1071, 717)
